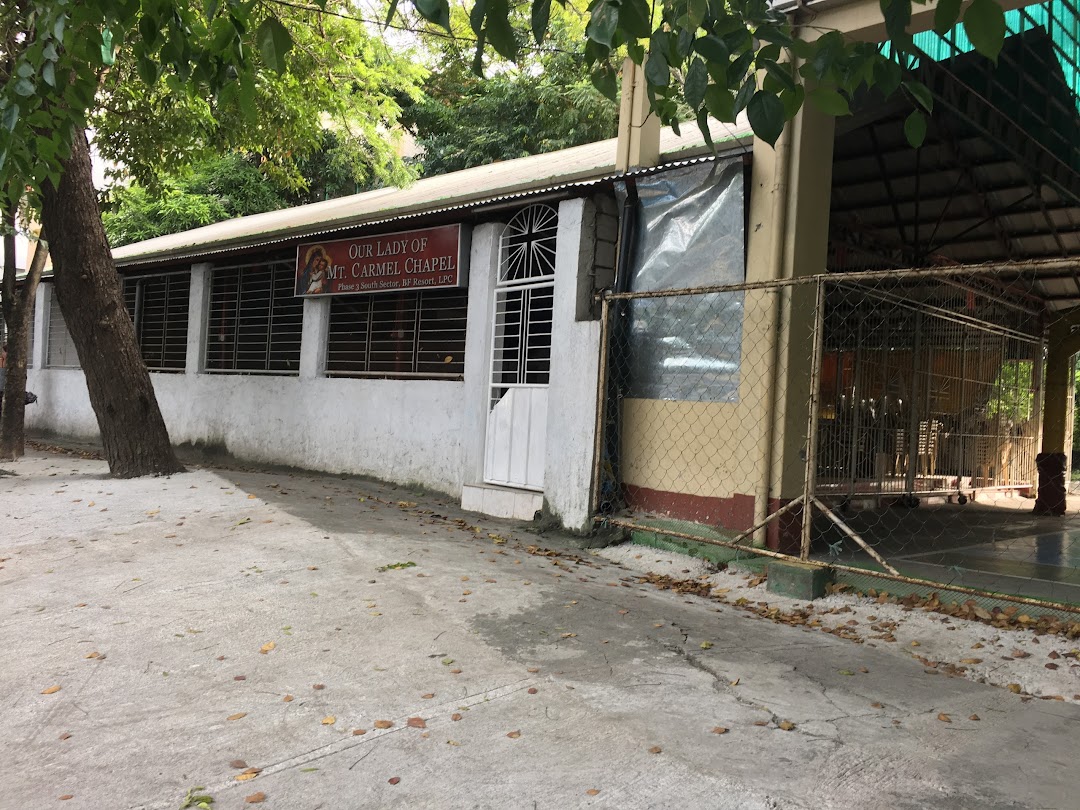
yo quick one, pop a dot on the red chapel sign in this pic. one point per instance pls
(428, 258)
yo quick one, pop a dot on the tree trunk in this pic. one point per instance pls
(19, 317)
(133, 432)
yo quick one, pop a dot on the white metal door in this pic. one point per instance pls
(521, 351)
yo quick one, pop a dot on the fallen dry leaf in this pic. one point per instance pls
(267, 647)
(706, 645)
(785, 725)
(974, 717)
(66, 796)
(244, 777)
(877, 705)
(656, 749)
(239, 764)
(384, 724)
(533, 669)
(513, 735)
(329, 720)
(416, 722)
(428, 696)
(455, 717)
(944, 718)
(569, 635)
(592, 792)
(358, 732)
(455, 672)
(719, 730)
(52, 690)
(64, 736)
(318, 686)
(287, 699)
(1014, 688)
(393, 780)
(260, 797)
(970, 660)
(533, 690)
(94, 654)
(236, 716)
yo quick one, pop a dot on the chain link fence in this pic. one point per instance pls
(887, 425)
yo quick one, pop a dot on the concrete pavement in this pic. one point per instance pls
(252, 620)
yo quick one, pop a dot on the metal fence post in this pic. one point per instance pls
(601, 407)
(812, 418)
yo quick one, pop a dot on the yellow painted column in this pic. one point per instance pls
(788, 237)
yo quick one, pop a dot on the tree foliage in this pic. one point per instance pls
(723, 57)
(163, 83)
(216, 188)
(542, 103)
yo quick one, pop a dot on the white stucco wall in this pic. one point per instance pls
(575, 357)
(399, 430)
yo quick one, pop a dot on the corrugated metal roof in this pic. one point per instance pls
(580, 164)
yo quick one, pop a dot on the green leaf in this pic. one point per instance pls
(697, 81)
(703, 125)
(498, 29)
(148, 71)
(887, 75)
(742, 98)
(782, 73)
(766, 114)
(603, 79)
(713, 49)
(436, 11)
(984, 23)
(921, 94)
(792, 101)
(636, 18)
(541, 13)
(915, 128)
(946, 14)
(148, 30)
(657, 72)
(48, 74)
(58, 28)
(695, 13)
(829, 101)
(10, 117)
(720, 102)
(897, 14)
(602, 24)
(274, 43)
(24, 87)
(390, 12)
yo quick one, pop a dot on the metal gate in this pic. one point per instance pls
(521, 351)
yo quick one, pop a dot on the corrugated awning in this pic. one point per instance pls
(580, 165)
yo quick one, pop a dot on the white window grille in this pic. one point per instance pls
(409, 334)
(256, 321)
(59, 346)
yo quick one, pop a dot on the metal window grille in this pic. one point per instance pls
(256, 321)
(158, 306)
(59, 347)
(408, 334)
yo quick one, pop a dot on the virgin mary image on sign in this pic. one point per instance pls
(314, 277)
